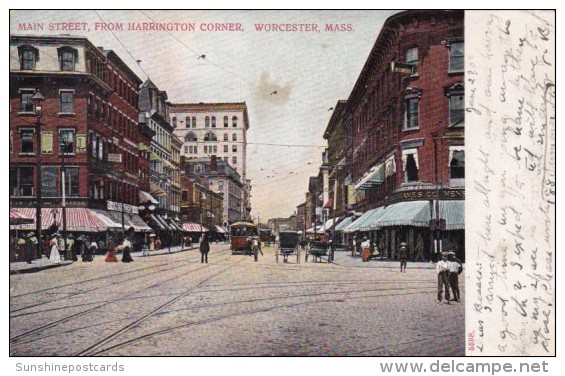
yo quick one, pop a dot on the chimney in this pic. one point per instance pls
(213, 163)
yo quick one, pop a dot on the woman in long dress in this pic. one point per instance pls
(111, 256)
(126, 248)
(54, 255)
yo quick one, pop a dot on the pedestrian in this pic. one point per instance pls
(256, 248)
(36, 246)
(21, 248)
(88, 250)
(158, 243)
(442, 270)
(70, 244)
(420, 249)
(54, 256)
(204, 248)
(455, 268)
(29, 248)
(111, 255)
(365, 249)
(125, 247)
(403, 256)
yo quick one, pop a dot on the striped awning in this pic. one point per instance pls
(193, 227)
(375, 177)
(454, 214)
(130, 220)
(77, 219)
(156, 223)
(219, 229)
(17, 218)
(156, 190)
(146, 197)
(409, 213)
(175, 226)
(343, 224)
(366, 221)
(107, 219)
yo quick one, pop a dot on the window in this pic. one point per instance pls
(184, 195)
(66, 101)
(226, 159)
(457, 166)
(226, 120)
(190, 137)
(66, 140)
(21, 181)
(225, 148)
(234, 121)
(220, 185)
(205, 149)
(187, 122)
(226, 138)
(210, 137)
(196, 150)
(234, 137)
(410, 165)
(186, 149)
(26, 103)
(213, 122)
(411, 113)
(412, 58)
(234, 160)
(456, 56)
(215, 148)
(26, 138)
(234, 148)
(456, 97)
(207, 121)
(28, 57)
(67, 59)
(193, 122)
(174, 121)
(72, 182)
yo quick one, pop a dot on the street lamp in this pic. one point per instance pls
(63, 145)
(38, 100)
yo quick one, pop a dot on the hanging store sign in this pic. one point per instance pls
(402, 68)
(117, 206)
(116, 158)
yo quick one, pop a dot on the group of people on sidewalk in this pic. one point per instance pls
(448, 270)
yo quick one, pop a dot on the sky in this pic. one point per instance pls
(310, 71)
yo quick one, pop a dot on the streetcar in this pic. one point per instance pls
(241, 232)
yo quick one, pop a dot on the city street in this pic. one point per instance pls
(175, 305)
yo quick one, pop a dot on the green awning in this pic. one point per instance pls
(375, 177)
(154, 157)
(343, 224)
(364, 222)
(454, 214)
(409, 213)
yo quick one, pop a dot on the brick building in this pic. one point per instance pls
(89, 112)
(404, 136)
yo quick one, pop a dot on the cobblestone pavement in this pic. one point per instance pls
(175, 305)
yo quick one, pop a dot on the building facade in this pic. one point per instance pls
(89, 113)
(405, 134)
(219, 129)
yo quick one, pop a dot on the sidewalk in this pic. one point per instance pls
(343, 258)
(43, 264)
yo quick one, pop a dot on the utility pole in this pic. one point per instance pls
(38, 101)
(62, 150)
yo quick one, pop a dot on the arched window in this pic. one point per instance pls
(68, 57)
(29, 55)
(234, 121)
(190, 137)
(174, 122)
(213, 122)
(226, 121)
(226, 138)
(194, 122)
(234, 137)
(207, 121)
(210, 136)
(187, 121)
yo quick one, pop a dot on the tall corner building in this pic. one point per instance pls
(219, 129)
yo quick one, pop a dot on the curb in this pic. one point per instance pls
(36, 269)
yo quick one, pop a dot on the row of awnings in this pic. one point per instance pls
(326, 226)
(82, 220)
(408, 213)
